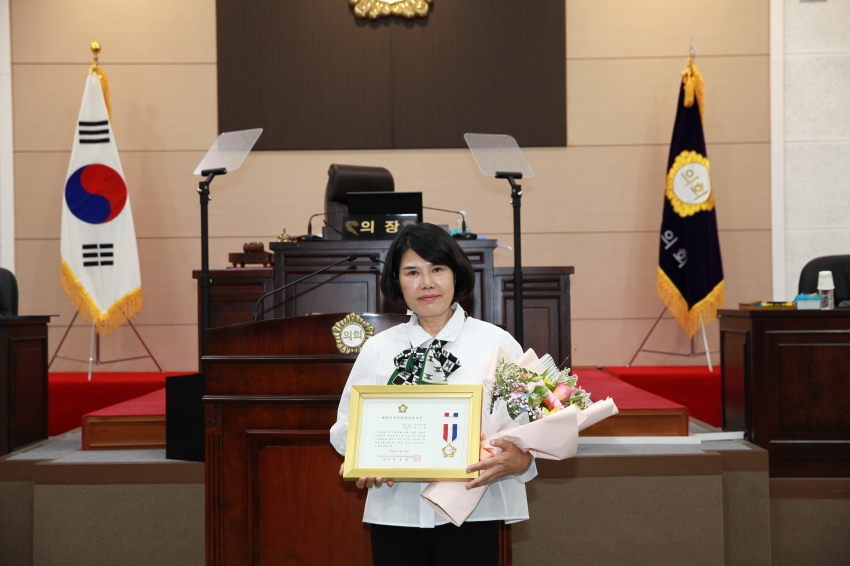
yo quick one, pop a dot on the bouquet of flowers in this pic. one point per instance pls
(532, 404)
(535, 394)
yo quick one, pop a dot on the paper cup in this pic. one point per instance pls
(825, 282)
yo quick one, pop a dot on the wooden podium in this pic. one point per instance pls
(784, 379)
(273, 490)
(23, 381)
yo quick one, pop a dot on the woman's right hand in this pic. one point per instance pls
(367, 482)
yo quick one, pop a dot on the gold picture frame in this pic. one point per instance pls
(393, 414)
(377, 9)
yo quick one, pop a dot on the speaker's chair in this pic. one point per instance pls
(839, 265)
(344, 179)
(8, 293)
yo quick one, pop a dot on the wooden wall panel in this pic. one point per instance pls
(323, 83)
(332, 81)
(663, 28)
(154, 107)
(47, 31)
(161, 186)
(633, 101)
(169, 294)
(615, 189)
(615, 273)
(615, 341)
(175, 347)
(595, 204)
(480, 66)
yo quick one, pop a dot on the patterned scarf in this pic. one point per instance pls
(429, 364)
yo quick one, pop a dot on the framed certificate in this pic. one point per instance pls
(417, 433)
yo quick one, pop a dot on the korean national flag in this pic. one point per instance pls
(100, 260)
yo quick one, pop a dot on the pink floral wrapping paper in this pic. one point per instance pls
(554, 437)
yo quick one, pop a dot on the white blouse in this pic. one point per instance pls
(472, 342)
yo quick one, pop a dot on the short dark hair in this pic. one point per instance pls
(435, 246)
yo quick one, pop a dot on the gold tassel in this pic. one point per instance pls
(689, 319)
(107, 322)
(97, 70)
(694, 87)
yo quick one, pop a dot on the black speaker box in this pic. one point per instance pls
(184, 417)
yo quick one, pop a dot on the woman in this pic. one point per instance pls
(428, 272)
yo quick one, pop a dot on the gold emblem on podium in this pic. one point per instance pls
(351, 333)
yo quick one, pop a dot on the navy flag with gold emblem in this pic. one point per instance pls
(690, 271)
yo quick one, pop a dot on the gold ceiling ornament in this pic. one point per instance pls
(351, 333)
(377, 9)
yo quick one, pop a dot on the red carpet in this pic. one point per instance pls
(70, 395)
(150, 405)
(691, 386)
(627, 397)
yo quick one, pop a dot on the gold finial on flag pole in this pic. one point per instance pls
(97, 70)
(693, 82)
(95, 50)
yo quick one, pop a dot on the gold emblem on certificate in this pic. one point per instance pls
(377, 9)
(428, 433)
(351, 333)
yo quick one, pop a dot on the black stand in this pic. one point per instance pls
(205, 282)
(516, 201)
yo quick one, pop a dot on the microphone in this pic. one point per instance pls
(464, 235)
(309, 236)
(332, 227)
(351, 257)
(376, 258)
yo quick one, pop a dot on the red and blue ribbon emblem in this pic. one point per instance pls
(453, 429)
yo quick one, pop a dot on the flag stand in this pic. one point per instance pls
(94, 349)
(693, 353)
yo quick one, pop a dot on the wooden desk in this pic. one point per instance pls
(233, 294)
(786, 383)
(355, 287)
(23, 381)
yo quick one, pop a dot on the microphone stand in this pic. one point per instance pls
(204, 192)
(516, 201)
(309, 236)
(464, 235)
(256, 318)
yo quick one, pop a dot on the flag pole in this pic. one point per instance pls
(705, 342)
(91, 347)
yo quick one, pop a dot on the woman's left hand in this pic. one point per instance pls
(511, 460)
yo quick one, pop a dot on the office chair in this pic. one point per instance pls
(8, 293)
(839, 265)
(344, 179)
